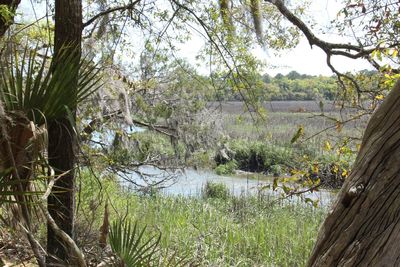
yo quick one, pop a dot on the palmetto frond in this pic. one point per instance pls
(29, 85)
(33, 90)
(127, 241)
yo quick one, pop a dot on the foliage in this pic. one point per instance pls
(159, 120)
(227, 168)
(276, 170)
(305, 162)
(215, 190)
(261, 156)
(246, 230)
(139, 146)
(34, 91)
(30, 86)
(293, 86)
(151, 92)
(128, 243)
(31, 94)
(6, 15)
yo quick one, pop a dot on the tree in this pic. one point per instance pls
(62, 136)
(293, 75)
(362, 228)
(7, 12)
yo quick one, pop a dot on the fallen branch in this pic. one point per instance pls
(80, 258)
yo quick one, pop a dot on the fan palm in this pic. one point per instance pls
(29, 86)
(128, 243)
(32, 92)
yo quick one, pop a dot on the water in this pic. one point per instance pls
(190, 183)
(106, 136)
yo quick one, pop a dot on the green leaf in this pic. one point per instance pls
(42, 90)
(275, 184)
(298, 134)
(130, 245)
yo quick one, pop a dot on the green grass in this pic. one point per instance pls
(235, 231)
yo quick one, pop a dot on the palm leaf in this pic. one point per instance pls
(29, 84)
(8, 192)
(127, 241)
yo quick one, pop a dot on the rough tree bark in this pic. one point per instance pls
(62, 138)
(363, 228)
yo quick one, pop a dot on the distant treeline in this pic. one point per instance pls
(292, 86)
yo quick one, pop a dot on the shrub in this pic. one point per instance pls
(215, 190)
(202, 159)
(331, 170)
(275, 170)
(227, 168)
(261, 156)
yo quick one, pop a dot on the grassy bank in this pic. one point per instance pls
(213, 230)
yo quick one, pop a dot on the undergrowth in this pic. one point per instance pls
(225, 230)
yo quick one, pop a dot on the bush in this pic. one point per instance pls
(262, 156)
(215, 190)
(331, 170)
(202, 159)
(275, 170)
(227, 168)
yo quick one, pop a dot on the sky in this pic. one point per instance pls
(303, 58)
(307, 60)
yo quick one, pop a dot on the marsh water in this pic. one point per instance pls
(190, 182)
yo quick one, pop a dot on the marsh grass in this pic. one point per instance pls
(265, 145)
(215, 190)
(233, 231)
(279, 127)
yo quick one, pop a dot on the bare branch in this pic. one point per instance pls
(110, 10)
(80, 258)
(332, 49)
(66, 239)
(312, 39)
(35, 248)
(91, 127)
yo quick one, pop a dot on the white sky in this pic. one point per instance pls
(307, 60)
(302, 59)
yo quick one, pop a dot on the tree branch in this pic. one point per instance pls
(312, 39)
(330, 49)
(91, 126)
(79, 257)
(110, 10)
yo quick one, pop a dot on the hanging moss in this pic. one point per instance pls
(225, 13)
(256, 13)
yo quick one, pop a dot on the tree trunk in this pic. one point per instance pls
(62, 137)
(363, 228)
(12, 6)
